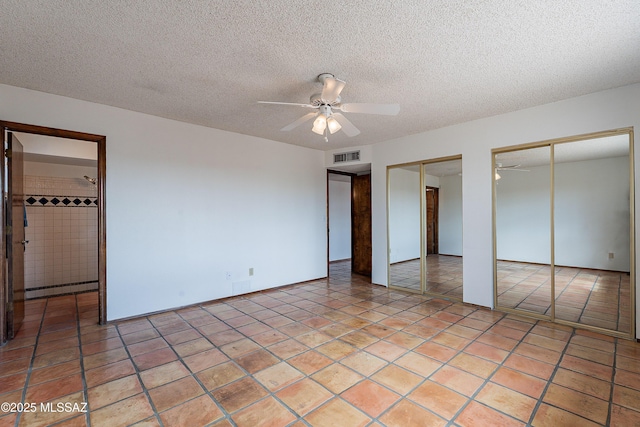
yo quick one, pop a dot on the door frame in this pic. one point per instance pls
(354, 237)
(12, 168)
(100, 140)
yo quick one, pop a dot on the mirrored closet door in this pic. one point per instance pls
(522, 229)
(443, 228)
(592, 223)
(563, 224)
(425, 227)
(404, 227)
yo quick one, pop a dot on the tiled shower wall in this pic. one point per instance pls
(62, 254)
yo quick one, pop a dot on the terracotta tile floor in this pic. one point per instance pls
(444, 275)
(337, 352)
(591, 297)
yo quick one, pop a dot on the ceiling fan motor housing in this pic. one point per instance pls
(316, 100)
(325, 110)
(322, 77)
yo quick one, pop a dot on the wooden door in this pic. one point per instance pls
(15, 221)
(361, 224)
(432, 220)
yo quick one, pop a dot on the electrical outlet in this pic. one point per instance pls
(251, 271)
(228, 275)
(610, 255)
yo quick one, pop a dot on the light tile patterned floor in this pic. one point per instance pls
(337, 352)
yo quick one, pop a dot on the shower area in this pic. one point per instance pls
(61, 224)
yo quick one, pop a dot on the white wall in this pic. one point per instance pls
(611, 109)
(186, 204)
(450, 215)
(339, 220)
(404, 214)
(431, 181)
(404, 226)
(523, 223)
(591, 214)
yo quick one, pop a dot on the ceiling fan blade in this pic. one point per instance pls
(287, 103)
(298, 122)
(386, 109)
(331, 89)
(347, 126)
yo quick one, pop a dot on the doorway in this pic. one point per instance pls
(349, 222)
(11, 314)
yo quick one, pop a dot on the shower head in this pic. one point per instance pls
(91, 180)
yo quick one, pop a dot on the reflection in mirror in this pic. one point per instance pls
(592, 232)
(523, 229)
(404, 227)
(443, 239)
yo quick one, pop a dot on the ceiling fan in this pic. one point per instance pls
(516, 168)
(327, 119)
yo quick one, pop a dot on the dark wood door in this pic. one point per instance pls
(361, 224)
(432, 220)
(15, 221)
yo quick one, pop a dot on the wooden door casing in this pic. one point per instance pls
(15, 221)
(8, 127)
(361, 224)
(432, 220)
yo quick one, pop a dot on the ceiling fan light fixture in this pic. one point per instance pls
(329, 100)
(333, 125)
(319, 124)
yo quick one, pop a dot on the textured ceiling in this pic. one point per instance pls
(207, 63)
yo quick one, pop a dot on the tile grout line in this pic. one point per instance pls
(425, 378)
(487, 380)
(613, 378)
(408, 350)
(85, 390)
(273, 394)
(589, 295)
(565, 289)
(466, 316)
(309, 349)
(33, 358)
(145, 391)
(231, 359)
(226, 415)
(530, 293)
(550, 381)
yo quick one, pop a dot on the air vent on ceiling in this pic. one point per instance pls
(353, 156)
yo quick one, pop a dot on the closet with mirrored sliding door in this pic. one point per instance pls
(563, 215)
(424, 226)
